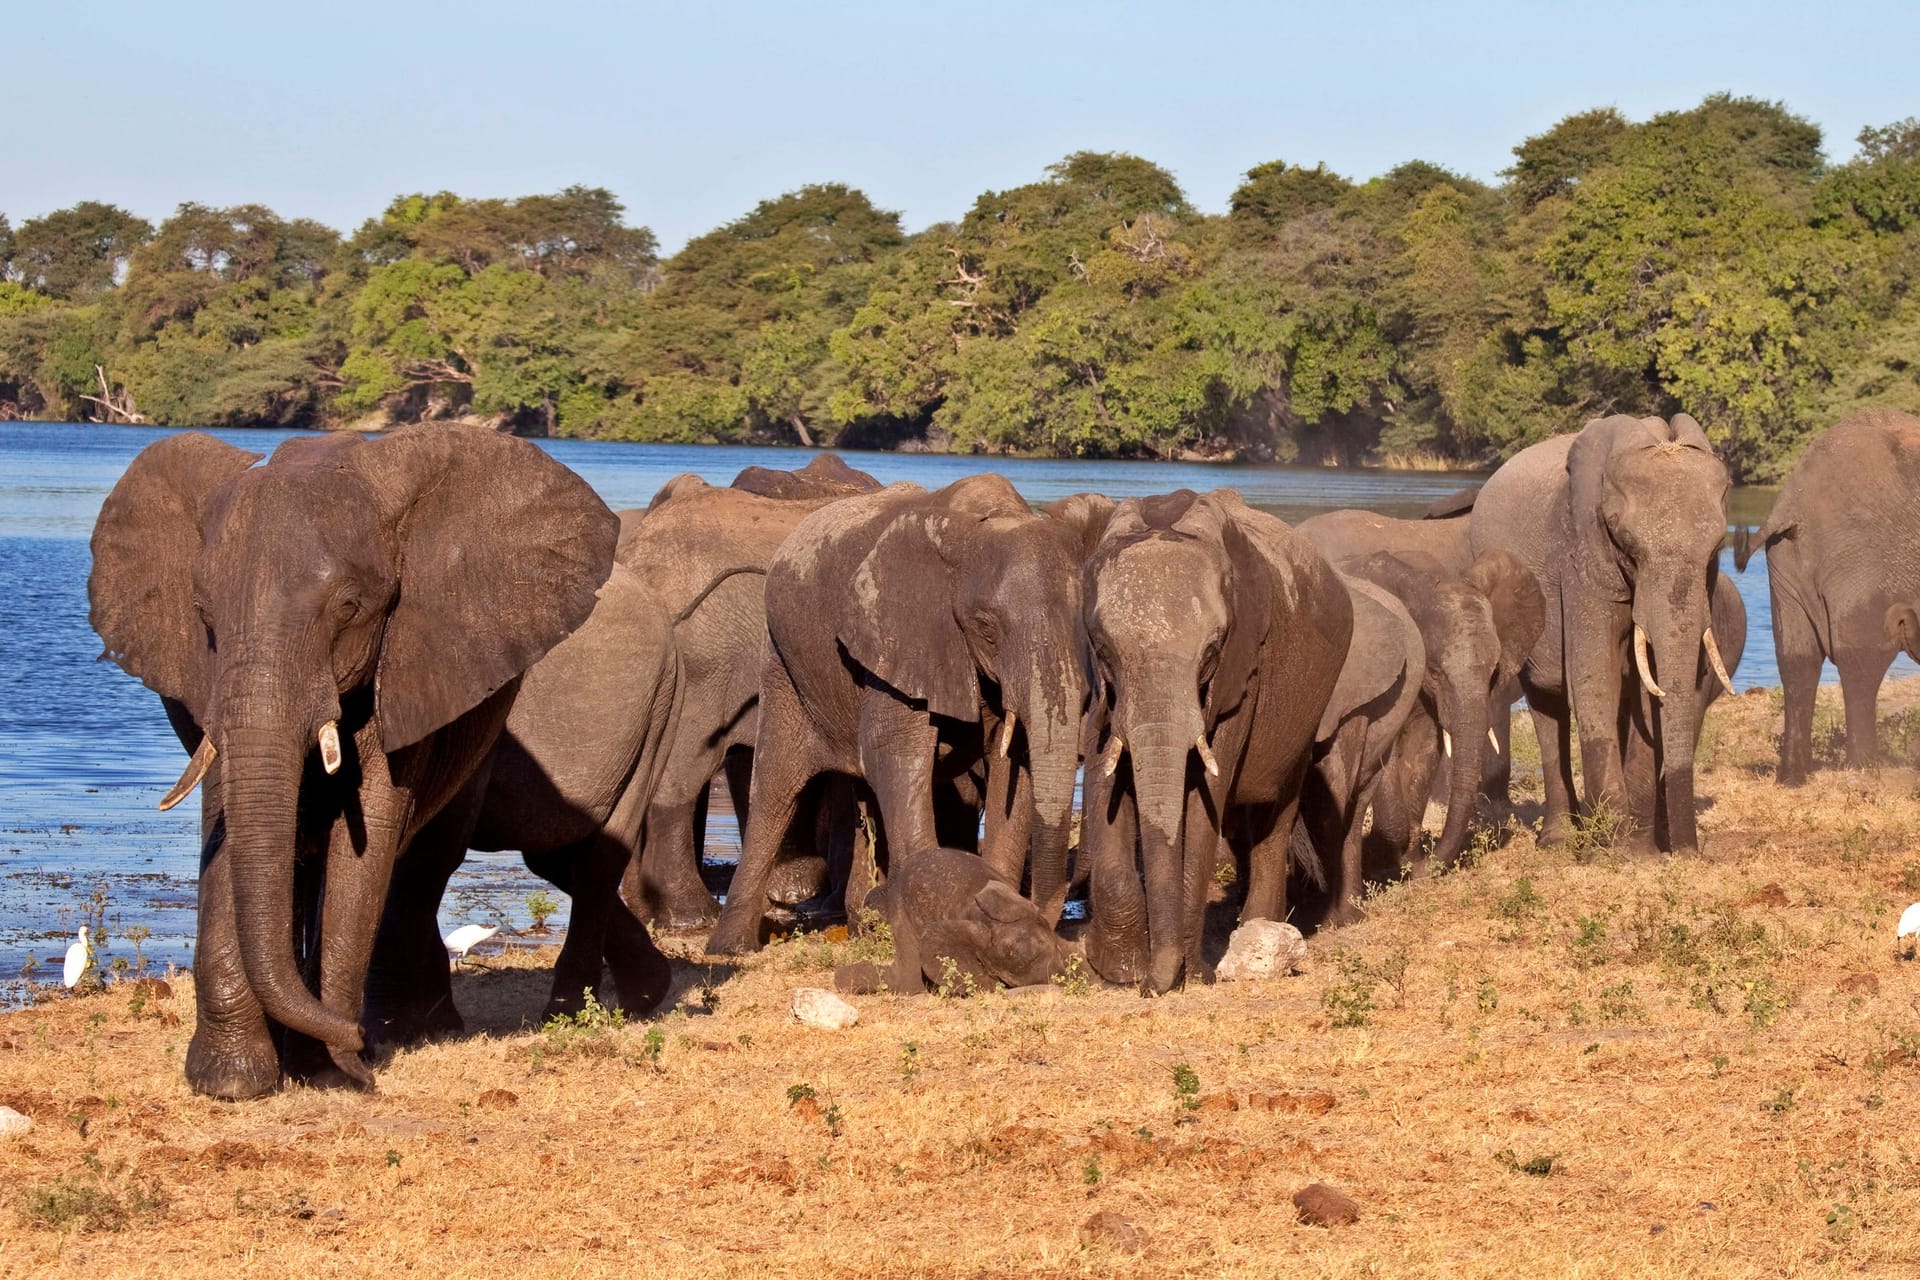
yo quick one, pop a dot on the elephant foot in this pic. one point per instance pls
(1342, 915)
(862, 978)
(643, 984)
(1553, 832)
(394, 1029)
(797, 880)
(1794, 777)
(229, 1072)
(678, 912)
(738, 936)
(320, 1066)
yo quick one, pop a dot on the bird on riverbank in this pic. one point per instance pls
(1908, 930)
(77, 956)
(466, 937)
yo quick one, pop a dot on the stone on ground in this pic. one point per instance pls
(1262, 949)
(818, 1007)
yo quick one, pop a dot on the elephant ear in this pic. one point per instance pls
(897, 619)
(1594, 555)
(144, 546)
(1684, 430)
(502, 553)
(963, 943)
(1519, 608)
(1002, 904)
(1252, 602)
(1384, 637)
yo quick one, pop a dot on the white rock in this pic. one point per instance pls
(818, 1007)
(13, 1124)
(1262, 949)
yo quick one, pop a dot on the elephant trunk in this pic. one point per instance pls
(1675, 640)
(1161, 753)
(1465, 716)
(263, 757)
(1053, 754)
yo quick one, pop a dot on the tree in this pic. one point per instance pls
(78, 253)
(1552, 163)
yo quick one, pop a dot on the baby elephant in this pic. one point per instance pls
(956, 923)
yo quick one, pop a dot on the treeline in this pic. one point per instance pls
(1709, 259)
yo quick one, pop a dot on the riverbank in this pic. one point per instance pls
(1550, 1062)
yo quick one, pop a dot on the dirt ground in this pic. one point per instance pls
(1570, 1062)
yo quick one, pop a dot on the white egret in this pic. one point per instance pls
(466, 937)
(77, 956)
(1909, 926)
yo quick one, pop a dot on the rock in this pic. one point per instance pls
(1320, 1205)
(13, 1124)
(1120, 1234)
(496, 1099)
(1262, 949)
(1767, 895)
(153, 989)
(818, 1007)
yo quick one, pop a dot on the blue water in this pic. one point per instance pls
(85, 752)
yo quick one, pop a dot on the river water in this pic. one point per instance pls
(85, 751)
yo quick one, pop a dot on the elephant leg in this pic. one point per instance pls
(1645, 806)
(1798, 652)
(1596, 640)
(1267, 863)
(232, 1054)
(1496, 777)
(1861, 671)
(1009, 817)
(663, 884)
(782, 768)
(897, 744)
(1553, 727)
(409, 990)
(1117, 901)
(737, 765)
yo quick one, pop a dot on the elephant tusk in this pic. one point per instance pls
(1446, 743)
(1713, 660)
(1006, 734)
(1206, 756)
(1112, 761)
(196, 769)
(330, 746)
(1493, 740)
(1640, 661)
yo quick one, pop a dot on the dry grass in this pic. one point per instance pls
(1545, 1065)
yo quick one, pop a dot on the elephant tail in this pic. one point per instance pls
(718, 578)
(1306, 858)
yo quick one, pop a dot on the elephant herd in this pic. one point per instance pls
(384, 653)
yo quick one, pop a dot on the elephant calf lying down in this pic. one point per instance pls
(953, 919)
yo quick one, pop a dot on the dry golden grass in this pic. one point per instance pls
(1555, 1063)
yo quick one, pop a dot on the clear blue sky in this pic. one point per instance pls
(693, 112)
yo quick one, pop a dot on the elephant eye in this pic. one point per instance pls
(987, 626)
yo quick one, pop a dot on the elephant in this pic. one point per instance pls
(901, 626)
(1621, 524)
(567, 784)
(1218, 635)
(1378, 688)
(1349, 534)
(1843, 545)
(689, 535)
(955, 920)
(1477, 629)
(339, 635)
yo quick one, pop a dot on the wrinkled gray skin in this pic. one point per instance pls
(1350, 535)
(398, 588)
(1378, 688)
(900, 625)
(1477, 630)
(1210, 623)
(954, 918)
(567, 785)
(691, 532)
(1621, 524)
(1843, 545)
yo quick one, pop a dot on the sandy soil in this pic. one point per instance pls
(1554, 1062)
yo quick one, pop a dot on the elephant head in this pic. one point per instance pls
(1001, 937)
(971, 603)
(335, 606)
(1647, 512)
(1179, 603)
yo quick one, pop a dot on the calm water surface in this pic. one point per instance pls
(85, 751)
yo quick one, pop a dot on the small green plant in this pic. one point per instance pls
(834, 1119)
(953, 982)
(1186, 1086)
(93, 1198)
(797, 1093)
(1619, 1004)
(1842, 1221)
(1765, 1001)
(1780, 1103)
(1074, 978)
(1520, 903)
(541, 906)
(652, 1045)
(1533, 1166)
(1592, 836)
(871, 938)
(592, 1032)
(1090, 1171)
(909, 1062)
(393, 1158)
(1589, 945)
(1349, 1002)
(1485, 994)
(1719, 1064)
(137, 935)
